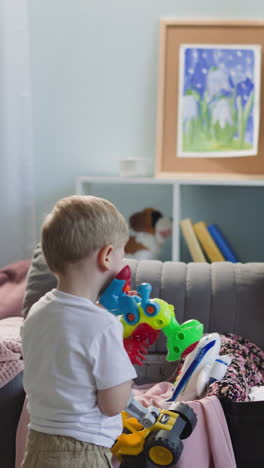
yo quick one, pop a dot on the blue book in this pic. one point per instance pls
(222, 243)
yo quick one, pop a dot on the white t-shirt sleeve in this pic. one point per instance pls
(110, 361)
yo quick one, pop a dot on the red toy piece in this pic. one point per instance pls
(125, 274)
(137, 344)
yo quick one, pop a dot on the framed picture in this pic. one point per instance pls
(210, 102)
(219, 100)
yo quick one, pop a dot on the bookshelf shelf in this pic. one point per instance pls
(229, 202)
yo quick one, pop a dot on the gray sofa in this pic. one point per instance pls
(225, 297)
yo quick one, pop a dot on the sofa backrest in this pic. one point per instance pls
(225, 297)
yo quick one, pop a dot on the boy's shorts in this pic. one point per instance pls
(53, 451)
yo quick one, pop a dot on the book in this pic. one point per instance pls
(207, 242)
(222, 243)
(191, 240)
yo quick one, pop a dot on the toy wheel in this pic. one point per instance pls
(188, 415)
(163, 448)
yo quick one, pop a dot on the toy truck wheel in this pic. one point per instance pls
(188, 415)
(163, 448)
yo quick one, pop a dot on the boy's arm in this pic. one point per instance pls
(112, 401)
(111, 368)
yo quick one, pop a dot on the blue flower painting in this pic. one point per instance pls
(219, 100)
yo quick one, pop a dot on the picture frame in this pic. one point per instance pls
(174, 33)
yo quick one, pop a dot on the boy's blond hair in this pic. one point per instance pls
(79, 225)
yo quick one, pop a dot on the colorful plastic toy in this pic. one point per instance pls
(201, 367)
(143, 319)
(158, 443)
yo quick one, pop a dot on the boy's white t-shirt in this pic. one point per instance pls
(71, 349)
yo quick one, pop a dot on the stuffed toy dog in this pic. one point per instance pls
(149, 229)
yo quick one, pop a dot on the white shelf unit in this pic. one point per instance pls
(219, 201)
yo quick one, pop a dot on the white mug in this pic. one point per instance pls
(134, 167)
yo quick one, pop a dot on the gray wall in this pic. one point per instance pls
(94, 76)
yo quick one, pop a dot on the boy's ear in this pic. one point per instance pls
(104, 257)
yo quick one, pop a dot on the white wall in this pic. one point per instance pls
(94, 75)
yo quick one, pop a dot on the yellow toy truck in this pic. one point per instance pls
(154, 437)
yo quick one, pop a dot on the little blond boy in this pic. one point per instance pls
(77, 373)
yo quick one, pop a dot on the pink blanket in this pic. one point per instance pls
(209, 446)
(12, 286)
(11, 362)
